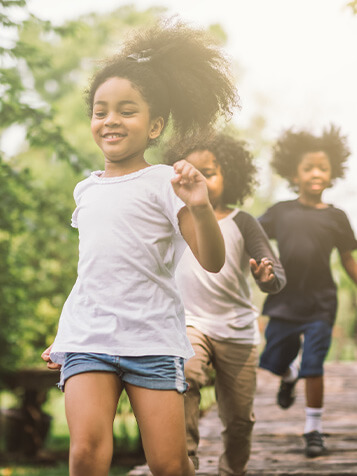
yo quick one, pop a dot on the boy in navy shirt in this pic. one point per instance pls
(306, 231)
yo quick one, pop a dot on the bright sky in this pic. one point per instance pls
(298, 59)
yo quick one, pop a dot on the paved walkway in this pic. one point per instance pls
(278, 448)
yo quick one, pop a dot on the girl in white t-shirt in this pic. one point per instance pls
(123, 324)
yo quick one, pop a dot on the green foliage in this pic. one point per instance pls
(345, 329)
(13, 193)
(44, 70)
(18, 470)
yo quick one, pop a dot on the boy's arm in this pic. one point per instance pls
(350, 265)
(198, 223)
(263, 271)
(266, 268)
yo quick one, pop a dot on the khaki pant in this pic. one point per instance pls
(235, 382)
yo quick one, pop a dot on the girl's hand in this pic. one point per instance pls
(263, 271)
(46, 357)
(190, 185)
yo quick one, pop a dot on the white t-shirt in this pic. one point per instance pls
(125, 300)
(219, 304)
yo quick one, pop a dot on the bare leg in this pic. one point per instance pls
(161, 419)
(91, 402)
(314, 391)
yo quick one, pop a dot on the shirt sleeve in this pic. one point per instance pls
(257, 246)
(345, 237)
(171, 202)
(74, 222)
(267, 221)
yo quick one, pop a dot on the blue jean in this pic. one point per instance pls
(284, 340)
(159, 372)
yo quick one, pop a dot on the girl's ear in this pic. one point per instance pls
(157, 126)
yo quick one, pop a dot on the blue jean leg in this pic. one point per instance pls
(317, 341)
(283, 342)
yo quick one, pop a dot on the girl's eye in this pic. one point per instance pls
(127, 113)
(99, 114)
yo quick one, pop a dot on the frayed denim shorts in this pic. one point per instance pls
(157, 372)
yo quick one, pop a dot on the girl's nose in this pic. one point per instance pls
(112, 119)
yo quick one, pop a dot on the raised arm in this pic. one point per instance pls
(265, 266)
(350, 265)
(197, 220)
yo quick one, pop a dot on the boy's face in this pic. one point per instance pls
(206, 163)
(313, 173)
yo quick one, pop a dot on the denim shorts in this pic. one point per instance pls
(284, 340)
(158, 372)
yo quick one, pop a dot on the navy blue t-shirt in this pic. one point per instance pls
(306, 237)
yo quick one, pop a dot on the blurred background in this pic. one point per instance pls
(295, 66)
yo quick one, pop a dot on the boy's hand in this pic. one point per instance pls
(190, 185)
(262, 272)
(46, 357)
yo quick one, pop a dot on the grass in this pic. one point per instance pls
(58, 470)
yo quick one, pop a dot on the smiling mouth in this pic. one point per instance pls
(316, 186)
(113, 136)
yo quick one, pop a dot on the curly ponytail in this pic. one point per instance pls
(180, 72)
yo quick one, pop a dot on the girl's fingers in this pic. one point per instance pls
(185, 172)
(176, 179)
(178, 166)
(53, 366)
(46, 353)
(45, 356)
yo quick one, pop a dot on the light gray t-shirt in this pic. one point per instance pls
(125, 300)
(219, 304)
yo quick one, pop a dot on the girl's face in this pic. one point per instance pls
(313, 174)
(206, 163)
(121, 123)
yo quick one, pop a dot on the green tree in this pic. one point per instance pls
(44, 70)
(19, 199)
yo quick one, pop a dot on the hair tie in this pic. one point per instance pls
(142, 57)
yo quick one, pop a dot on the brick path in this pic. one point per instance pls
(278, 448)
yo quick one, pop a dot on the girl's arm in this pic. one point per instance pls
(198, 223)
(350, 265)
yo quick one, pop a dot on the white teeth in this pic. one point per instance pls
(113, 136)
